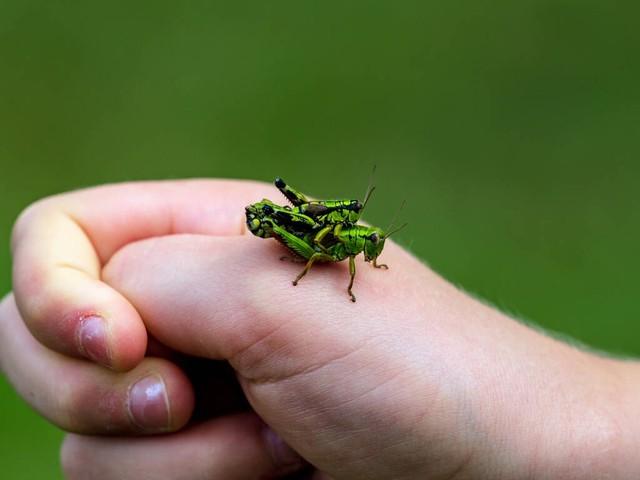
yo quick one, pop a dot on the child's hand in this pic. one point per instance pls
(60, 245)
(415, 380)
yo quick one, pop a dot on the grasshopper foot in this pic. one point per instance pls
(382, 265)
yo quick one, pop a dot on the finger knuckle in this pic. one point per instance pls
(26, 219)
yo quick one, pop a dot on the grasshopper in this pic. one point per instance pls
(324, 211)
(331, 215)
(298, 234)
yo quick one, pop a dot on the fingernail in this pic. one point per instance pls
(148, 404)
(92, 337)
(284, 457)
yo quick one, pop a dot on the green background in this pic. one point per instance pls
(512, 129)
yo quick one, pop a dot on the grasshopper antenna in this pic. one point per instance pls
(370, 188)
(395, 230)
(391, 229)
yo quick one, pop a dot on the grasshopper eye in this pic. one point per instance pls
(267, 209)
(356, 205)
(374, 237)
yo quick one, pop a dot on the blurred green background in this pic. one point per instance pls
(512, 129)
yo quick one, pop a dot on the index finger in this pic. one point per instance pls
(60, 244)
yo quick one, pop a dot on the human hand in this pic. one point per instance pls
(59, 246)
(416, 380)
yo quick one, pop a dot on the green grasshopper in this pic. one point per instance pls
(330, 215)
(324, 211)
(267, 220)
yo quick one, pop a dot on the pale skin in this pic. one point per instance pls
(417, 380)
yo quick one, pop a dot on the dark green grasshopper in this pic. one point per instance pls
(298, 232)
(330, 215)
(326, 212)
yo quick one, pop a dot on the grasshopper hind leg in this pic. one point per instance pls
(315, 257)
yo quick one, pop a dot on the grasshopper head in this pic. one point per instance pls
(259, 218)
(373, 243)
(354, 210)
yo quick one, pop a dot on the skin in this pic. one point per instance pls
(421, 381)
